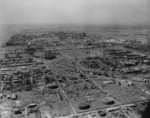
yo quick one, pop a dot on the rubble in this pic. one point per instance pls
(73, 74)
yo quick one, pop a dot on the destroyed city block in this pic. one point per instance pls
(75, 74)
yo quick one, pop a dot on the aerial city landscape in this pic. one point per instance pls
(51, 73)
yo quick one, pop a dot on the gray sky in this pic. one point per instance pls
(74, 11)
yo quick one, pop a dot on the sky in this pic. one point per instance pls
(75, 12)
